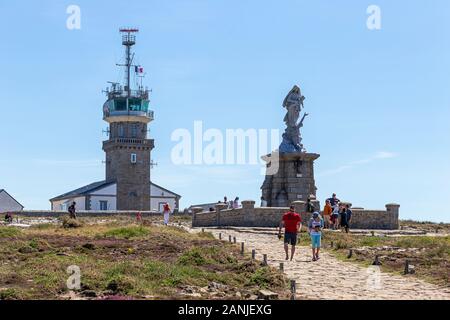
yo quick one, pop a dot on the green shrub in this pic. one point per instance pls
(9, 294)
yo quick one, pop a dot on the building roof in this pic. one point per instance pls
(3, 190)
(158, 186)
(95, 186)
(83, 190)
(203, 205)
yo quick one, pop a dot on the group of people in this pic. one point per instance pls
(232, 204)
(335, 216)
(166, 213)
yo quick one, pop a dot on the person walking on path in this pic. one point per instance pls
(292, 223)
(327, 211)
(315, 226)
(72, 210)
(166, 212)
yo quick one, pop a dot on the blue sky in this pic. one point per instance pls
(378, 99)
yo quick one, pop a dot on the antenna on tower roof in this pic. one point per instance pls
(128, 40)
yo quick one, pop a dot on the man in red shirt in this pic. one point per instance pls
(292, 224)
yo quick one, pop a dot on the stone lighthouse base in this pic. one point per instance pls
(289, 177)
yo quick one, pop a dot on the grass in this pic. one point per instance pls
(127, 232)
(9, 232)
(121, 259)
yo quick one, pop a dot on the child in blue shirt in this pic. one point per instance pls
(315, 230)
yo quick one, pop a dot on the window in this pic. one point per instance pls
(103, 205)
(133, 158)
(134, 130)
(120, 129)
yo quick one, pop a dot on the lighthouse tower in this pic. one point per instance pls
(128, 148)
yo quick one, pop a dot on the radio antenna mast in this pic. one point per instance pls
(128, 40)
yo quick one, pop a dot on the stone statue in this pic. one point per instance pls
(291, 136)
(293, 103)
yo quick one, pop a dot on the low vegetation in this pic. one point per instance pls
(119, 259)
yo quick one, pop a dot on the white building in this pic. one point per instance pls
(101, 195)
(8, 203)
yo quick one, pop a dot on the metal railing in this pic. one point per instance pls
(149, 113)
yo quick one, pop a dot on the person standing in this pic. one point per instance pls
(315, 226)
(263, 202)
(236, 203)
(72, 210)
(344, 218)
(335, 217)
(166, 212)
(327, 212)
(292, 224)
(349, 215)
(334, 200)
(309, 207)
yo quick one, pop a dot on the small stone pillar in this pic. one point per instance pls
(220, 207)
(248, 212)
(393, 211)
(195, 210)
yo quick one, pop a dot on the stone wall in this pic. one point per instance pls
(90, 213)
(249, 216)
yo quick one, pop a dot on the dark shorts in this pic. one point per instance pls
(290, 238)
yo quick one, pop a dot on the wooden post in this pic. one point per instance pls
(234, 239)
(377, 261)
(220, 236)
(253, 254)
(265, 259)
(242, 247)
(331, 244)
(350, 254)
(281, 266)
(406, 267)
(203, 229)
(229, 238)
(293, 289)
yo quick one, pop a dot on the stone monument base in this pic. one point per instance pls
(289, 177)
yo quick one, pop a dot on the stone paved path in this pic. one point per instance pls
(330, 278)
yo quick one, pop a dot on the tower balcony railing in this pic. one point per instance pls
(130, 141)
(122, 93)
(139, 113)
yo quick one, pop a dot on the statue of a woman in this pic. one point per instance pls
(293, 103)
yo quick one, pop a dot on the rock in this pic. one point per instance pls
(216, 286)
(89, 246)
(267, 295)
(27, 249)
(238, 295)
(89, 293)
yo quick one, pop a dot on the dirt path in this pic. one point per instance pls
(330, 278)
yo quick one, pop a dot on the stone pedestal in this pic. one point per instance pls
(289, 177)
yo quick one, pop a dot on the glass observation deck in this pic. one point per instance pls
(122, 103)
